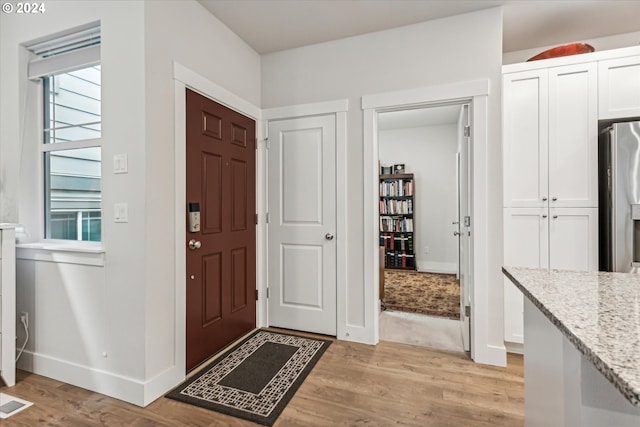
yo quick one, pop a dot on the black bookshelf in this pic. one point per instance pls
(396, 221)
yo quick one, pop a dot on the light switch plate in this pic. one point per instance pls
(120, 163)
(121, 212)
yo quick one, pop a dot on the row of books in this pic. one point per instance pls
(400, 225)
(396, 188)
(393, 206)
(399, 259)
(399, 241)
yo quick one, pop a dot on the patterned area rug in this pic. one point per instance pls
(255, 379)
(426, 293)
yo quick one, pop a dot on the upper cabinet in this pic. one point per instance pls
(619, 87)
(550, 137)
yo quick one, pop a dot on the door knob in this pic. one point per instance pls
(328, 236)
(455, 222)
(553, 199)
(544, 199)
(457, 233)
(194, 244)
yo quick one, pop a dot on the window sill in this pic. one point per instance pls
(83, 253)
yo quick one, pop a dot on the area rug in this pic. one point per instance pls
(427, 293)
(256, 378)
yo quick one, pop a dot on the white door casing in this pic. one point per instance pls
(464, 222)
(302, 224)
(484, 347)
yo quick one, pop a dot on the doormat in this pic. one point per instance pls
(256, 378)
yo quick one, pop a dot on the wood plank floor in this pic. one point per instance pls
(352, 384)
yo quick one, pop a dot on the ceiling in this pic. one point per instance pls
(273, 25)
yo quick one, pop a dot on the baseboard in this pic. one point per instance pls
(514, 347)
(124, 388)
(437, 267)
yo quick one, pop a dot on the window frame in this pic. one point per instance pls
(46, 147)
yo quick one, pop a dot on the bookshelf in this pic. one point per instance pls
(396, 221)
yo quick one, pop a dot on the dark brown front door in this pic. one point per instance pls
(221, 272)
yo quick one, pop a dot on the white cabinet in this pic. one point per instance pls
(557, 238)
(526, 236)
(619, 87)
(573, 136)
(550, 149)
(525, 137)
(573, 239)
(7, 305)
(550, 141)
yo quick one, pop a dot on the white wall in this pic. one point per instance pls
(462, 48)
(127, 294)
(429, 152)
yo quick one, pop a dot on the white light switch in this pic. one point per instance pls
(120, 163)
(121, 212)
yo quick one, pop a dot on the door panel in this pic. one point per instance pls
(302, 208)
(573, 239)
(221, 272)
(573, 136)
(525, 127)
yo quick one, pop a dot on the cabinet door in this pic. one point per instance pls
(573, 138)
(525, 245)
(573, 239)
(619, 88)
(525, 139)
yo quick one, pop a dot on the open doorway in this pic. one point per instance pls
(424, 219)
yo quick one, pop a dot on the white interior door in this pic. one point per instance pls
(302, 224)
(464, 221)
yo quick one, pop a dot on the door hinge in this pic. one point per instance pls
(467, 131)
(256, 143)
(268, 217)
(257, 294)
(266, 142)
(467, 311)
(256, 219)
(467, 221)
(267, 292)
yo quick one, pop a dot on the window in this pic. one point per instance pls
(69, 68)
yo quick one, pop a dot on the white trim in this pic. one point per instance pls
(338, 108)
(185, 78)
(131, 390)
(475, 93)
(301, 110)
(208, 88)
(415, 97)
(438, 267)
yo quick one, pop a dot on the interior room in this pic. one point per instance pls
(183, 180)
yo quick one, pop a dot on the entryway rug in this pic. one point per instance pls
(256, 378)
(433, 294)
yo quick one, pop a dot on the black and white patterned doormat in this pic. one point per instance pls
(10, 405)
(256, 378)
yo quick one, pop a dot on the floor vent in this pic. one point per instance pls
(10, 405)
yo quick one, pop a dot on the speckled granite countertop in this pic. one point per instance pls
(598, 312)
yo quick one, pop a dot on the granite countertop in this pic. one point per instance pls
(598, 312)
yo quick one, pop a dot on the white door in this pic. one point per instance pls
(464, 223)
(302, 224)
(573, 239)
(526, 244)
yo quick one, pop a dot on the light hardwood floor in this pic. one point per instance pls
(352, 384)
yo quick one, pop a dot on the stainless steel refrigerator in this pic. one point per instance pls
(619, 197)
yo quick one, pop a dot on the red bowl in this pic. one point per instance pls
(565, 50)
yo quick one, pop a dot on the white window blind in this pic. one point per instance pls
(64, 52)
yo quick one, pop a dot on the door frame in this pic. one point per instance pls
(185, 78)
(476, 94)
(339, 109)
